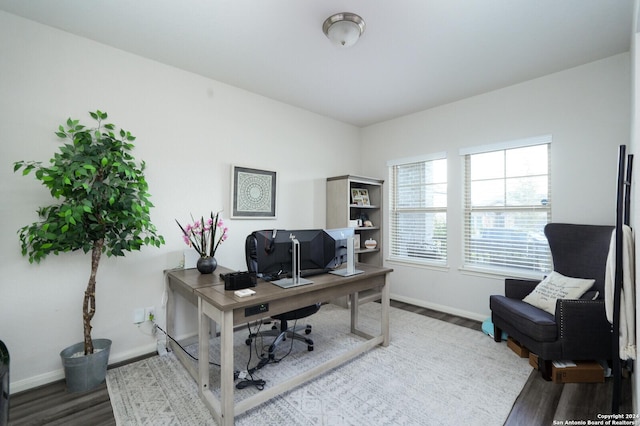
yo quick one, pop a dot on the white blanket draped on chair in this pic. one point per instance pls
(627, 295)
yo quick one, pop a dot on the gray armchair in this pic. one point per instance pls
(579, 330)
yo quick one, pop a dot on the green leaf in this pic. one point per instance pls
(111, 204)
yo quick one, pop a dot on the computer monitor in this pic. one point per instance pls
(274, 250)
(340, 236)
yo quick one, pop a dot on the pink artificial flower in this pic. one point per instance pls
(202, 235)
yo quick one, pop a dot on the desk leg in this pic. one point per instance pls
(226, 370)
(354, 312)
(170, 315)
(385, 304)
(203, 349)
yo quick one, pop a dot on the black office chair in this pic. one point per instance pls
(285, 332)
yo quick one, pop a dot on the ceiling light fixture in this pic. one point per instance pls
(343, 29)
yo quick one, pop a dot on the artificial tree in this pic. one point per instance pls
(103, 202)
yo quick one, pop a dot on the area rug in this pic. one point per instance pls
(432, 373)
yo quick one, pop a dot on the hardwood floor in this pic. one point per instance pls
(52, 405)
(540, 402)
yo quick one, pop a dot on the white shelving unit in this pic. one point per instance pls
(342, 212)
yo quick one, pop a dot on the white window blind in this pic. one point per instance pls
(506, 206)
(418, 204)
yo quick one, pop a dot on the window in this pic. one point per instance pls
(418, 216)
(506, 206)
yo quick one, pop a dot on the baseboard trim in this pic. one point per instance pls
(442, 308)
(36, 381)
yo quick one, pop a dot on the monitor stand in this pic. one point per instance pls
(295, 279)
(351, 261)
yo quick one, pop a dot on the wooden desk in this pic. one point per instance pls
(227, 310)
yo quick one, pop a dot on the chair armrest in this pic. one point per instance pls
(583, 327)
(518, 289)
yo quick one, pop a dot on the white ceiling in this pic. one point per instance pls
(414, 54)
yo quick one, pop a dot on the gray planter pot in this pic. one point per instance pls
(85, 372)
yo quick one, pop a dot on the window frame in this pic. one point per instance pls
(542, 258)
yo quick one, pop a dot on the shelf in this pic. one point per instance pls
(366, 250)
(357, 206)
(367, 228)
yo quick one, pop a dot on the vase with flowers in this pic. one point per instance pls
(205, 237)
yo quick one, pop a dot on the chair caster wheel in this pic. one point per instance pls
(310, 348)
(248, 342)
(307, 330)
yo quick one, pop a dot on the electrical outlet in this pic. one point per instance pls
(150, 313)
(138, 315)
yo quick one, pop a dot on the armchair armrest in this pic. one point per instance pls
(583, 328)
(517, 288)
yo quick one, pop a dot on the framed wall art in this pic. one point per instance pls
(253, 193)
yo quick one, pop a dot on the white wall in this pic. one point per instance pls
(189, 131)
(586, 109)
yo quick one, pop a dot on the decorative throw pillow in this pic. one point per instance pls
(556, 286)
